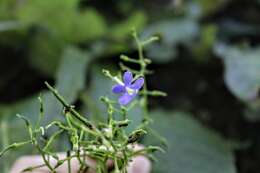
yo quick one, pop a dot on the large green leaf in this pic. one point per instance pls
(171, 33)
(203, 49)
(192, 148)
(210, 6)
(69, 24)
(45, 53)
(122, 30)
(242, 69)
(6, 9)
(70, 80)
(120, 33)
(89, 25)
(45, 12)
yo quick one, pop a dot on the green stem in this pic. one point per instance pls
(41, 114)
(30, 169)
(45, 160)
(142, 73)
(56, 134)
(70, 108)
(12, 146)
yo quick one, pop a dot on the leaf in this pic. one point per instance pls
(27, 107)
(242, 69)
(232, 28)
(203, 47)
(9, 25)
(74, 26)
(171, 33)
(89, 25)
(45, 53)
(209, 7)
(192, 148)
(6, 9)
(122, 30)
(252, 112)
(70, 80)
(119, 33)
(45, 12)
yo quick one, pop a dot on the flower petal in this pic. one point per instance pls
(137, 84)
(126, 98)
(128, 77)
(117, 89)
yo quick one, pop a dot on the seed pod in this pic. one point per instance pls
(123, 123)
(136, 135)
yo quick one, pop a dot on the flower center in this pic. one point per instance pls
(130, 91)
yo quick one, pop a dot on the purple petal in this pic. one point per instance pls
(137, 84)
(128, 77)
(117, 89)
(126, 98)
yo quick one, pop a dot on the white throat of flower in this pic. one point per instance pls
(130, 91)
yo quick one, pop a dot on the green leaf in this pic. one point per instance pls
(252, 112)
(171, 33)
(6, 9)
(89, 25)
(209, 7)
(242, 69)
(122, 30)
(69, 24)
(9, 25)
(203, 48)
(45, 53)
(192, 148)
(70, 80)
(45, 12)
(27, 107)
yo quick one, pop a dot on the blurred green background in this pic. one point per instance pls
(207, 60)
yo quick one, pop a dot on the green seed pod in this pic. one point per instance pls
(136, 135)
(123, 123)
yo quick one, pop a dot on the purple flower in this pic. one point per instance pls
(128, 88)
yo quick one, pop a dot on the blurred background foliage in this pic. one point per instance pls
(207, 60)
